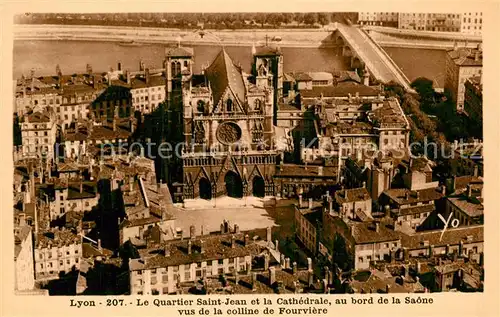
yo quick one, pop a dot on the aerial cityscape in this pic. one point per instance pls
(248, 153)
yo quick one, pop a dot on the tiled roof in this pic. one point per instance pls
(154, 81)
(105, 132)
(451, 236)
(342, 89)
(179, 52)
(466, 56)
(216, 246)
(389, 113)
(320, 76)
(267, 51)
(223, 74)
(88, 191)
(471, 206)
(295, 170)
(398, 195)
(377, 282)
(139, 222)
(352, 195)
(301, 76)
(365, 232)
(417, 210)
(39, 117)
(461, 183)
(58, 238)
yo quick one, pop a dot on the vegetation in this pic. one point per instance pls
(246, 20)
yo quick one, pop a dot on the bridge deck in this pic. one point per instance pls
(378, 62)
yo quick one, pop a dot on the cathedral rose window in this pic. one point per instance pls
(228, 133)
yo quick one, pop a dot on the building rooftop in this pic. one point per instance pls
(352, 195)
(179, 52)
(451, 236)
(57, 238)
(215, 246)
(342, 89)
(296, 170)
(267, 51)
(416, 210)
(366, 232)
(223, 74)
(403, 196)
(466, 56)
(471, 206)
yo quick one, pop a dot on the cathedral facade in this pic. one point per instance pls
(227, 125)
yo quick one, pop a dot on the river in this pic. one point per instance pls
(72, 57)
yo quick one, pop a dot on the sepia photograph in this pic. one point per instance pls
(247, 153)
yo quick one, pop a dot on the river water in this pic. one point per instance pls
(72, 57)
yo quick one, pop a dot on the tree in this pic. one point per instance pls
(311, 18)
(424, 88)
(323, 18)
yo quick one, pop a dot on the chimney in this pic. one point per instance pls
(266, 261)
(141, 65)
(192, 232)
(226, 226)
(254, 280)
(81, 185)
(407, 195)
(246, 240)
(387, 210)
(233, 240)
(300, 201)
(202, 246)
(146, 75)
(119, 66)
(236, 229)
(287, 263)
(272, 276)
(377, 227)
(330, 205)
(99, 247)
(469, 191)
(282, 260)
(128, 76)
(309, 264)
(294, 268)
(131, 183)
(310, 278)
(222, 227)
(268, 234)
(190, 246)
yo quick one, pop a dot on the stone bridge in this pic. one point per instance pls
(367, 55)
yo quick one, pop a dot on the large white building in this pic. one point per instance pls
(472, 23)
(23, 259)
(38, 132)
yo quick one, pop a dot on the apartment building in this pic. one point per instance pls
(472, 23)
(39, 131)
(389, 19)
(165, 269)
(75, 197)
(56, 251)
(412, 21)
(462, 63)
